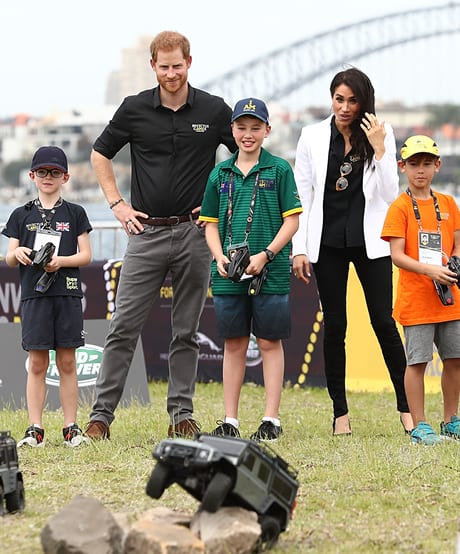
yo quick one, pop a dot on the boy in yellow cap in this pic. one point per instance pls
(423, 228)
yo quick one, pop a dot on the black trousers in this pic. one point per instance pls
(375, 276)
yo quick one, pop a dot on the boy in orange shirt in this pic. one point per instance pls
(423, 228)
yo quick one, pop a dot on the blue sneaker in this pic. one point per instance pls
(424, 434)
(451, 428)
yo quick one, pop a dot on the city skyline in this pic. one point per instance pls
(57, 60)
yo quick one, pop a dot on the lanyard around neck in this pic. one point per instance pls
(417, 212)
(47, 217)
(251, 207)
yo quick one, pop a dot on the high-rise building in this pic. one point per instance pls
(135, 73)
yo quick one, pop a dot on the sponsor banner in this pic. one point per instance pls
(15, 363)
(304, 361)
(366, 369)
(303, 351)
(88, 359)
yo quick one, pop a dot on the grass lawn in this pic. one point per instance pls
(373, 492)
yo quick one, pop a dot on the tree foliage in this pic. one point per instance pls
(12, 171)
(440, 114)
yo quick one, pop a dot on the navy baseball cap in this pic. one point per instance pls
(50, 156)
(250, 106)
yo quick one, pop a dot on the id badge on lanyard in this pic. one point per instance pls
(47, 235)
(429, 247)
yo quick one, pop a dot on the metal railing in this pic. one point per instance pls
(108, 240)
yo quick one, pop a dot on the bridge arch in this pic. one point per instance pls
(281, 74)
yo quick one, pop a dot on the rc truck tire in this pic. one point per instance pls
(15, 501)
(158, 480)
(216, 492)
(271, 530)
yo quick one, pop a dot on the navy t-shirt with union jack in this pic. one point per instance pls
(71, 221)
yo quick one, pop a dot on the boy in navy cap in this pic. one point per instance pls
(48, 238)
(251, 210)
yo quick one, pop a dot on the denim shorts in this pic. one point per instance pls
(52, 322)
(420, 338)
(267, 316)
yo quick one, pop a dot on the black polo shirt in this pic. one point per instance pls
(71, 221)
(343, 210)
(172, 152)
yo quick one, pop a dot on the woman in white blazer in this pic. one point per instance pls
(346, 174)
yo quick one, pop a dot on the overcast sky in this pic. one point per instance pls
(56, 55)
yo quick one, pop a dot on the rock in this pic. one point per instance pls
(160, 513)
(231, 530)
(149, 537)
(84, 526)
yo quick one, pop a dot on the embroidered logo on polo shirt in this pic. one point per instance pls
(32, 226)
(267, 184)
(200, 127)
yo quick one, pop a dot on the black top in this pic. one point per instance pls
(344, 209)
(71, 220)
(172, 152)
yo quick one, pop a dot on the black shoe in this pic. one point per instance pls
(267, 431)
(224, 429)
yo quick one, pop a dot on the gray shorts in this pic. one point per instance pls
(420, 338)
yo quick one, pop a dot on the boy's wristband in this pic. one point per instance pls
(115, 203)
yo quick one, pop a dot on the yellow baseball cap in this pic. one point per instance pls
(418, 144)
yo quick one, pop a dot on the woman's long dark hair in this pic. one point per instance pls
(362, 88)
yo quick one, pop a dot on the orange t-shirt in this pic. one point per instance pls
(417, 301)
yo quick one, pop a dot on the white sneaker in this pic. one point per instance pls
(73, 436)
(34, 437)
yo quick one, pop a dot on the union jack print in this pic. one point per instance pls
(61, 226)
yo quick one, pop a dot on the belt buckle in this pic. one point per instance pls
(174, 220)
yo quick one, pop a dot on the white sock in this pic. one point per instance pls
(274, 420)
(232, 421)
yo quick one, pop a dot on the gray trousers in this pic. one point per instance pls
(182, 251)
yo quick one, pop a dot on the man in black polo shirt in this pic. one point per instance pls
(173, 131)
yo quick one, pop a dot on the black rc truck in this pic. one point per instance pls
(227, 471)
(11, 484)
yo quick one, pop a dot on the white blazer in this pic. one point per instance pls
(380, 188)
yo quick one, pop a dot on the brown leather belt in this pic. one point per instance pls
(171, 220)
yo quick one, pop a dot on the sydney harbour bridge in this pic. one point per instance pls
(410, 56)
